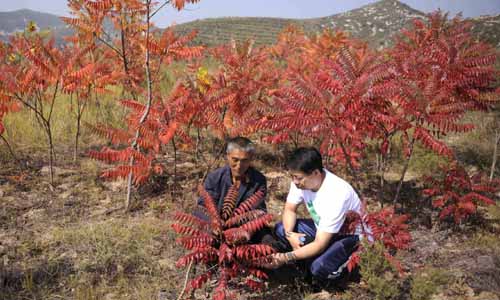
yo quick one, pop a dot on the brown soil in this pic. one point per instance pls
(45, 255)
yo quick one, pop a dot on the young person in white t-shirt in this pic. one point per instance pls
(328, 198)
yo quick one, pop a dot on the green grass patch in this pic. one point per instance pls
(425, 162)
(485, 240)
(428, 282)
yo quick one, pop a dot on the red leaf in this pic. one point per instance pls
(167, 134)
(353, 261)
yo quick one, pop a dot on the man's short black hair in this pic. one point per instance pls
(305, 159)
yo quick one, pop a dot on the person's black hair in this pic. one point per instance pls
(305, 159)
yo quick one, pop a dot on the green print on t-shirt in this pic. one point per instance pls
(312, 212)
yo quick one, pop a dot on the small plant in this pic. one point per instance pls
(221, 242)
(33, 79)
(379, 274)
(457, 194)
(383, 226)
(427, 282)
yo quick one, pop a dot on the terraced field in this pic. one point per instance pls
(218, 31)
(376, 23)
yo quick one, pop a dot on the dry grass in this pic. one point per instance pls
(25, 134)
(122, 257)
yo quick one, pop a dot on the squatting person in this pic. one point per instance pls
(240, 152)
(317, 241)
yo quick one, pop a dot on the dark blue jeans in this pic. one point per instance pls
(330, 263)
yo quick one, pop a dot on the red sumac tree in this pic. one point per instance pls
(457, 195)
(221, 242)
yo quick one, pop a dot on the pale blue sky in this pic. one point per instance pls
(272, 8)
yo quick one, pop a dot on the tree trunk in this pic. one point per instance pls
(174, 146)
(77, 137)
(351, 169)
(52, 156)
(79, 115)
(131, 204)
(380, 171)
(198, 142)
(77, 134)
(400, 184)
(495, 153)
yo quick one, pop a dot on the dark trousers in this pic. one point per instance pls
(330, 263)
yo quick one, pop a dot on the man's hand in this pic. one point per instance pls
(294, 239)
(279, 259)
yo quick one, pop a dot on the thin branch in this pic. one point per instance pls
(186, 278)
(495, 154)
(159, 8)
(9, 148)
(109, 45)
(148, 106)
(53, 101)
(352, 170)
(20, 99)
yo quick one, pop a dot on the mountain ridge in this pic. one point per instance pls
(376, 23)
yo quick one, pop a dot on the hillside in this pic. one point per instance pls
(15, 21)
(487, 28)
(218, 31)
(376, 23)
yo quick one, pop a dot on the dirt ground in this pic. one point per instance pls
(75, 241)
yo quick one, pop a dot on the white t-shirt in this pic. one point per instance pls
(327, 206)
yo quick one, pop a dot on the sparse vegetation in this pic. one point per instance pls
(110, 247)
(427, 282)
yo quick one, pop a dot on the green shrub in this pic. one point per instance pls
(379, 274)
(425, 161)
(427, 283)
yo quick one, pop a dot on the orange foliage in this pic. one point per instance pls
(137, 43)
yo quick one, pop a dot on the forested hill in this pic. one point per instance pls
(376, 23)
